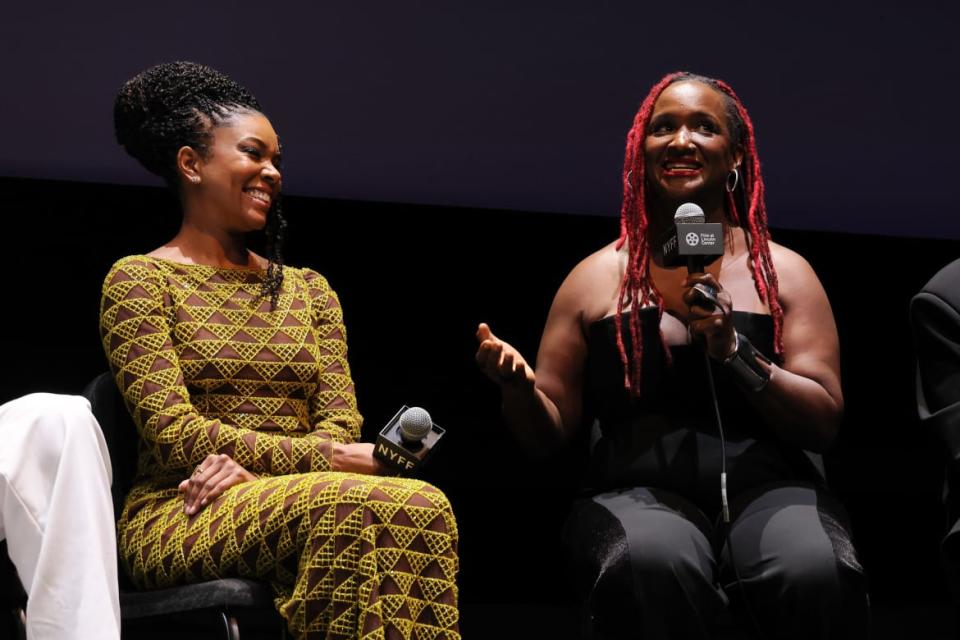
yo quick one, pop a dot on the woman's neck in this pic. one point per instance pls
(198, 244)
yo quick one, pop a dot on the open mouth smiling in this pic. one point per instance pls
(681, 168)
(259, 195)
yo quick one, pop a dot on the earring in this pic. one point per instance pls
(195, 179)
(736, 178)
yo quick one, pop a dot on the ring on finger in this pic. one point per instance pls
(199, 469)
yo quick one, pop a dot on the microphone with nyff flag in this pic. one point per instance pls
(693, 242)
(407, 440)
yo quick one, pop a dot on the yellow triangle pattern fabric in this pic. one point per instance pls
(206, 368)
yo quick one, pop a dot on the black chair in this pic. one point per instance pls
(12, 597)
(191, 609)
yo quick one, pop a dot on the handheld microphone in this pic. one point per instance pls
(407, 440)
(691, 240)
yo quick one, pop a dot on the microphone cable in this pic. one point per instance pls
(725, 506)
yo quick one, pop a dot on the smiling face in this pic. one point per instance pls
(238, 179)
(688, 149)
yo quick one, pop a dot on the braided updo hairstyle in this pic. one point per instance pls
(178, 104)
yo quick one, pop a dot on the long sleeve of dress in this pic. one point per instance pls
(260, 367)
(333, 407)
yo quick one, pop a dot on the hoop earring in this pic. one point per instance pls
(736, 179)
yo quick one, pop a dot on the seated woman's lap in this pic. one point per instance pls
(657, 551)
(382, 528)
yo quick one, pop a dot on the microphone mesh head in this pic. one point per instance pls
(689, 212)
(415, 424)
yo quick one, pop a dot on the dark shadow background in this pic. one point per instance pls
(415, 280)
(516, 105)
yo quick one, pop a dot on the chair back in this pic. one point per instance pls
(119, 431)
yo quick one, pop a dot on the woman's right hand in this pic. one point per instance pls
(503, 364)
(213, 476)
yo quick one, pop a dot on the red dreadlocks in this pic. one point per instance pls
(637, 289)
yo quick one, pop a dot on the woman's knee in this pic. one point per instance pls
(805, 591)
(802, 579)
(426, 495)
(659, 545)
(426, 499)
(667, 552)
(808, 566)
(51, 408)
(424, 505)
(638, 568)
(49, 424)
(790, 540)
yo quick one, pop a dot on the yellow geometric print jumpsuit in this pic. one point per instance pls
(207, 365)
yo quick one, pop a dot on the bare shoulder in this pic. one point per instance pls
(597, 264)
(796, 277)
(166, 252)
(594, 281)
(132, 268)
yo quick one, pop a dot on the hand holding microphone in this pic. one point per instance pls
(710, 309)
(355, 457)
(696, 242)
(702, 295)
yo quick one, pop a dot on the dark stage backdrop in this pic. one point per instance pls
(415, 281)
(516, 105)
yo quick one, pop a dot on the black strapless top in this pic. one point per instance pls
(668, 438)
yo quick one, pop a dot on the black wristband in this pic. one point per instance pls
(744, 363)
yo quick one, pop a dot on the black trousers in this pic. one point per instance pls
(649, 564)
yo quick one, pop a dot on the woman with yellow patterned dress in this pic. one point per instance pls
(234, 368)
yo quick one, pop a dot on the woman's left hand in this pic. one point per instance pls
(355, 457)
(712, 322)
(213, 476)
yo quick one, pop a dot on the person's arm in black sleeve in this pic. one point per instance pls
(935, 318)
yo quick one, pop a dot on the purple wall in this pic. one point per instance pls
(518, 105)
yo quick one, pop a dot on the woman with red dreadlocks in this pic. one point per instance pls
(642, 347)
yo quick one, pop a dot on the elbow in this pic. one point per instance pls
(542, 445)
(823, 440)
(827, 428)
(539, 439)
